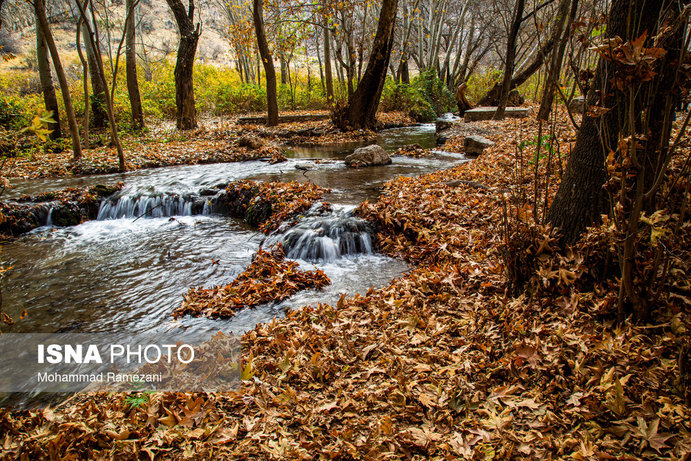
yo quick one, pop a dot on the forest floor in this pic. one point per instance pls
(215, 141)
(450, 361)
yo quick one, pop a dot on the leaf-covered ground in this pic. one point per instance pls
(448, 362)
(214, 142)
(268, 278)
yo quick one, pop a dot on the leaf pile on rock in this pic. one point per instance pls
(414, 151)
(269, 278)
(268, 204)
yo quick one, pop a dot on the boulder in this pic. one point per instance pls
(368, 156)
(250, 141)
(475, 144)
(442, 124)
(577, 105)
(515, 98)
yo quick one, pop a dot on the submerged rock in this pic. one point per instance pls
(368, 156)
(413, 150)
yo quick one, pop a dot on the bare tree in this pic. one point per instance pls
(93, 40)
(49, 98)
(267, 61)
(557, 57)
(510, 58)
(40, 11)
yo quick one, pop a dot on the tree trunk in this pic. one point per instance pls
(327, 68)
(267, 60)
(85, 80)
(404, 70)
(131, 68)
(98, 101)
(361, 110)
(93, 41)
(510, 58)
(492, 96)
(42, 20)
(557, 58)
(284, 67)
(184, 66)
(49, 98)
(581, 199)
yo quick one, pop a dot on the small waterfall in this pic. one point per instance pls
(49, 219)
(153, 206)
(326, 237)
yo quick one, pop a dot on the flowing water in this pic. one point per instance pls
(127, 271)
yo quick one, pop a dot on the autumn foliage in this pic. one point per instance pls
(269, 278)
(268, 204)
(444, 363)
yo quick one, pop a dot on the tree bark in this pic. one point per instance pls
(49, 98)
(85, 80)
(327, 67)
(40, 10)
(581, 199)
(510, 58)
(184, 65)
(268, 62)
(284, 68)
(361, 110)
(98, 100)
(131, 68)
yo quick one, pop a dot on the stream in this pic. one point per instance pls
(125, 275)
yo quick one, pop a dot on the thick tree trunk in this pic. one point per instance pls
(49, 98)
(42, 20)
(557, 58)
(184, 66)
(581, 199)
(184, 83)
(131, 68)
(362, 106)
(98, 99)
(510, 58)
(267, 60)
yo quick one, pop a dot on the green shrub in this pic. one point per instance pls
(435, 91)
(13, 114)
(408, 99)
(242, 98)
(479, 84)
